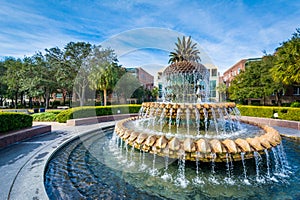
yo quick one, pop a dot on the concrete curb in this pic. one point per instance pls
(19, 135)
(273, 122)
(98, 119)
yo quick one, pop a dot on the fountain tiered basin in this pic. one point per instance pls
(187, 126)
(189, 135)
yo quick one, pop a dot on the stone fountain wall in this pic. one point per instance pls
(202, 149)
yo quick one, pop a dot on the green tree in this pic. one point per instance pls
(104, 72)
(74, 74)
(222, 89)
(286, 69)
(185, 51)
(55, 58)
(13, 77)
(3, 86)
(255, 81)
(47, 82)
(31, 81)
(155, 92)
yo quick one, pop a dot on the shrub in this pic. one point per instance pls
(44, 117)
(90, 111)
(54, 111)
(256, 111)
(295, 104)
(288, 113)
(285, 113)
(13, 121)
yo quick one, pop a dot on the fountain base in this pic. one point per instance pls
(197, 148)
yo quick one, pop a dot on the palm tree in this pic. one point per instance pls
(185, 51)
(286, 67)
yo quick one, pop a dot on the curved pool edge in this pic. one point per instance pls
(29, 180)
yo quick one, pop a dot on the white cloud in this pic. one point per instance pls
(226, 31)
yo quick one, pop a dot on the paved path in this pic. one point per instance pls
(22, 164)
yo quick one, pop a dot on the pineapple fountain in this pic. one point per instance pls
(187, 126)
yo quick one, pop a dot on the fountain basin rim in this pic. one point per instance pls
(203, 149)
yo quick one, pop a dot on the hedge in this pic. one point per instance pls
(286, 113)
(13, 121)
(91, 111)
(44, 117)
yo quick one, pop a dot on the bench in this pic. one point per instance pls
(63, 107)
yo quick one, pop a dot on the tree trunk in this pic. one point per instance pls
(82, 97)
(30, 102)
(104, 96)
(21, 98)
(64, 98)
(48, 101)
(70, 99)
(278, 99)
(16, 100)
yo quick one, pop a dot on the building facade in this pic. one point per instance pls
(236, 69)
(290, 94)
(146, 79)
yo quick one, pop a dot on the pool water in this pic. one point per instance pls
(95, 166)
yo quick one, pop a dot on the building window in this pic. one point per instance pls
(59, 95)
(296, 90)
(160, 90)
(239, 70)
(212, 87)
(214, 72)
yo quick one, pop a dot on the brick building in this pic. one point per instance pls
(290, 94)
(146, 79)
(236, 69)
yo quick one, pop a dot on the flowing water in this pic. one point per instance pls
(101, 166)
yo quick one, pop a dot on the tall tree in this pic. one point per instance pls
(155, 92)
(255, 82)
(31, 81)
(104, 70)
(286, 69)
(13, 76)
(46, 69)
(56, 58)
(3, 85)
(185, 51)
(222, 89)
(74, 73)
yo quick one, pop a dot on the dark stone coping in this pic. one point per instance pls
(19, 135)
(98, 119)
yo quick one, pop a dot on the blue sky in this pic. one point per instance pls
(144, 32)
